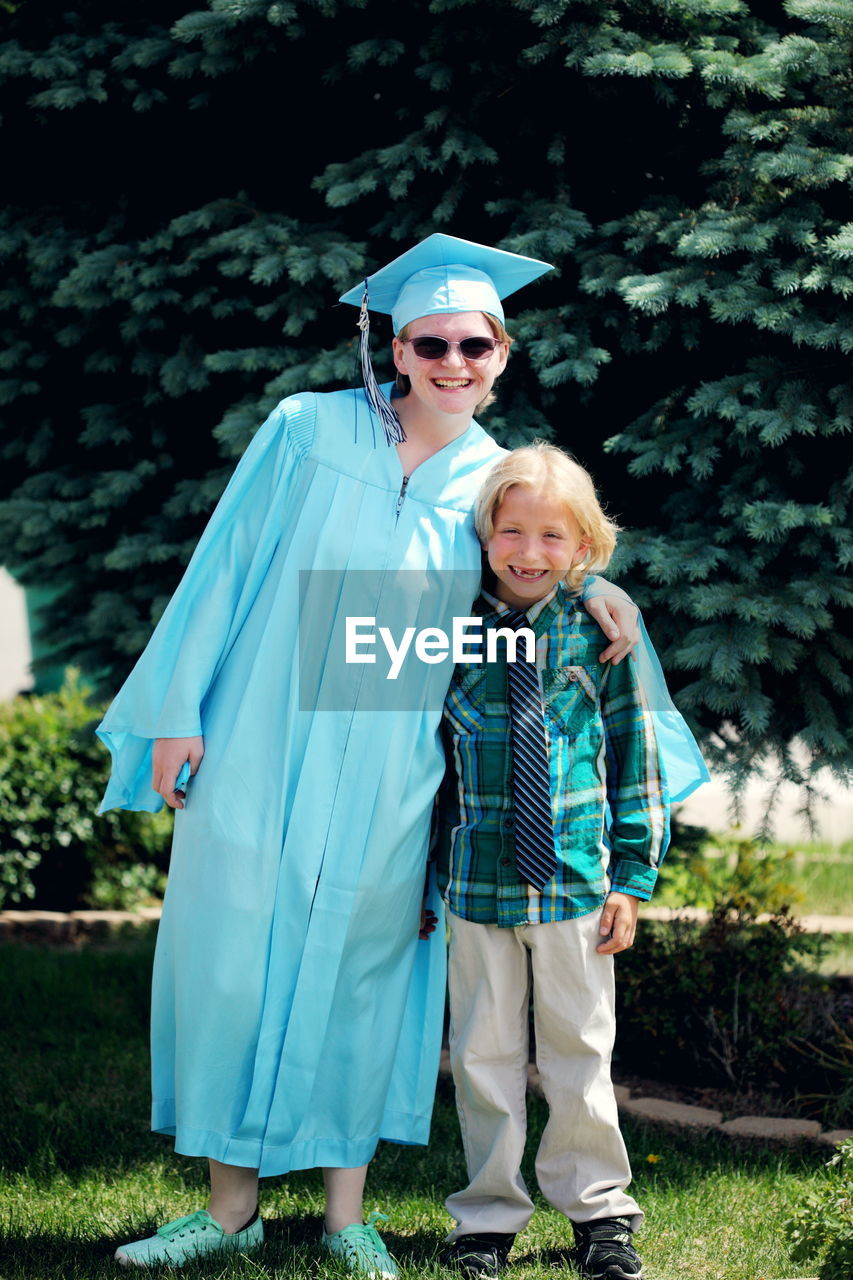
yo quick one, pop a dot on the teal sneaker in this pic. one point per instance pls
(361, 1249)
(189, 1237)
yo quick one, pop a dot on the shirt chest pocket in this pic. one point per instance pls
(571, 696)
(465, 704)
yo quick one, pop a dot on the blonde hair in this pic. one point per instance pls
(549, 471)
(403, 382)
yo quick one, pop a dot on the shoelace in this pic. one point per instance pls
(359, 1246)
(358, 1238)
(364, 1243)
(200, 1220)
(611, 1229)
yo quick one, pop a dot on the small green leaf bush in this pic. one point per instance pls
(721, 1001)
(822, 1227)
(55, 852)
(735, 1002)
(701, 870)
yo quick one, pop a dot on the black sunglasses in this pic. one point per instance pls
(429, 347)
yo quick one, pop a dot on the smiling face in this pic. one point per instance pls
(452, 384)
(535, 542)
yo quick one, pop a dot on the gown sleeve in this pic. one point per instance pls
(683, 765)
(164, 694)
(593, 585)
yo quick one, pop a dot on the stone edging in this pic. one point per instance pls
(76, 928)
(809, 924)
(72, 928)
(682, 1116)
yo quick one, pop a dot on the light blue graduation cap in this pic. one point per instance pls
(442, 275)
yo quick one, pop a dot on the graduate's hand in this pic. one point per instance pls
(428, 922)
(618, 923)
(618, 620)
(168, 758)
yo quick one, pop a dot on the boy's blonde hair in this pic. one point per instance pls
(550, 471)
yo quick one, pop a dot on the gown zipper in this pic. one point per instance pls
(401, 495)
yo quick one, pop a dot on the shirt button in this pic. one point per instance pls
(573, 675)
(509, 823)
(506, 862)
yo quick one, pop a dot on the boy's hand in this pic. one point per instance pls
(618, 923)
(618, 620)
(168, 758)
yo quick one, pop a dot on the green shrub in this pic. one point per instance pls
(822, 1227)
(55, 853)
(736, 1003)
(701, 870)
(835, 1057)
(720, 1002)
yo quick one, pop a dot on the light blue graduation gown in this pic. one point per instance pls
(296, 1018)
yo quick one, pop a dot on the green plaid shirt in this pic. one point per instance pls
(608, 794)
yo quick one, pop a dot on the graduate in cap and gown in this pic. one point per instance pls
(296, 1013)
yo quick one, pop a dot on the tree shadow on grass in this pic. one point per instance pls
(94, 1136)
(681, 1157)
(75, 1083)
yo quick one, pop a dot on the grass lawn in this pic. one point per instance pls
(823, 874)
(812, 880)
(80, 1173)
(815, 879)
(837, 958)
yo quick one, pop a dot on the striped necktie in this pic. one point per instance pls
(535, 858)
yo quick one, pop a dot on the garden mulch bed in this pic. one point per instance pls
(732, 1103)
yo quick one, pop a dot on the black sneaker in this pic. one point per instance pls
(603, 1250)
(479, 1255)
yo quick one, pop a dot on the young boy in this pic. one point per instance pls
(554, 818)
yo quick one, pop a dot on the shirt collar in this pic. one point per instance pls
(558, 597)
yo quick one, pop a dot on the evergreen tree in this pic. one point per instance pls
(192, 189)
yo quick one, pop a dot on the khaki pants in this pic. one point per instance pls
(581, 1165)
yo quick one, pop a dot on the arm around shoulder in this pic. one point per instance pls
(616, 614)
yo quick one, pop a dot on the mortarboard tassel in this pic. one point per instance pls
(384, 410)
